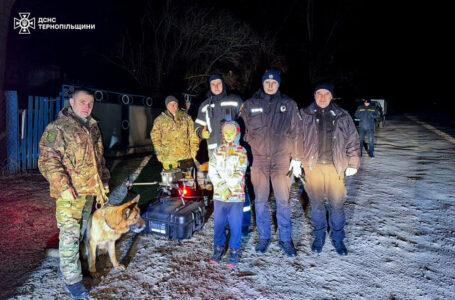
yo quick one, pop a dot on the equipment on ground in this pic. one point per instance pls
(184, 196)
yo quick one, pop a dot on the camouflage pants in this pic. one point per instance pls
(72, 217)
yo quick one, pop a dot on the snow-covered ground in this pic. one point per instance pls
(400, 235)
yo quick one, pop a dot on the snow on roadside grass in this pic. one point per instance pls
(400, 236)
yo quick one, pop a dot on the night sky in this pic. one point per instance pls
(397, 51)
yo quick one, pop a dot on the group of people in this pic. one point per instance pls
(278, 141)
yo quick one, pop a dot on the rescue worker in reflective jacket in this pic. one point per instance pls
(367, 113)
(271, 128)
(227, 168)
(71, 159)
(173, 135)
(330, 151)
(213, 112)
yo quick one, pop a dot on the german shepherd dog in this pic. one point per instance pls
(106, 225)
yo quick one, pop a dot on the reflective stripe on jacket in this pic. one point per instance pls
(367, 115)
(271, 126)
(213, 113)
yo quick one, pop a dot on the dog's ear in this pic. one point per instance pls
(131, 203)
(136, 199)
(127, 213)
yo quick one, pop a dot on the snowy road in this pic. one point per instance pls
(400, 235)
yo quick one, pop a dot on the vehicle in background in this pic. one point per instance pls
(382, 106)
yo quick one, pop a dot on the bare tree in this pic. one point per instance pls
(188, 41)
(319, 47)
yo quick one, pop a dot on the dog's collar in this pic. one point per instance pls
(105, 221)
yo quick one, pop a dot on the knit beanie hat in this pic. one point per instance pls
(216, 76)
(272, 74)
(170, 99)
(325, 86)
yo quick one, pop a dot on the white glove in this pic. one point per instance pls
(296, 168)
(351, 171)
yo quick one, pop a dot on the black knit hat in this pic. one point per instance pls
(216, 76)
(325, 86)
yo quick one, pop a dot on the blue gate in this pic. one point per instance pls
(125, 121)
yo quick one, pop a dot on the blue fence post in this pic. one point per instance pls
(35, 134)
(51, 109)
(47, 103)
(23, 140)
(42, 103)
(58, 106)
(30, 133)
(12, 127)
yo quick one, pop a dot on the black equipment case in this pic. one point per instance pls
(175, 218)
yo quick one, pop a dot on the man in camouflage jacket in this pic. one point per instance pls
(173, 135)
(71, 159)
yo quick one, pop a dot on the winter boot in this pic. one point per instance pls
(77, 290)
(340, 247)
(234, 258)
(262, 246)
(317, 245)
(218, 253)
(288, 248)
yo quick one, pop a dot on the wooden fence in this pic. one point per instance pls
(125, 121)
(25, 128)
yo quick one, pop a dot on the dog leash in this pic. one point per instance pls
(101, 198)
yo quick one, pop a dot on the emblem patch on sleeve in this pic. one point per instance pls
(51, 137)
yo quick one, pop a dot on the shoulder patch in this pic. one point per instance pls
(51, 137)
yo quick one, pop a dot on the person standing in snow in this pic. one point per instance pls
(330, 151)
(271, 129)
(213, 112)
(367, 113)
(71, 159)
(227, 168)
(173, 135)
